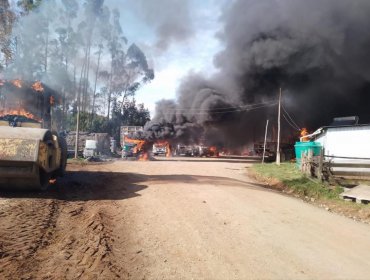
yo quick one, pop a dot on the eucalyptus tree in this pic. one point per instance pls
(28, 5)
(7, 18)
(66, 50)
(128, 65)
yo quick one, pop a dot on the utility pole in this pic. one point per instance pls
(77, 125)
(264, 144)
(278, 138)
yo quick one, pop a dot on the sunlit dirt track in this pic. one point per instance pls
(181, 218)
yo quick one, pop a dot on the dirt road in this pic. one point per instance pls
(174, 219)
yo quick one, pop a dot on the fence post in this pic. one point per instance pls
(309, 163)
(302, 161)
(321, 161)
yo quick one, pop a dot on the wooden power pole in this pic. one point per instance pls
(278, 137)
(77, 125)
(264, 144)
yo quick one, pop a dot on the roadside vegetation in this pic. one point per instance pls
(289, 179)
(288, 176)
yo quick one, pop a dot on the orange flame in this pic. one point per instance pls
(167, 145)
(139, 145)
(37, 86)
(168, 151)
(18, 83)
(19, 112)
(52, 100)
(144, 157)
(214, 151)
(304, 132)
(52, 181)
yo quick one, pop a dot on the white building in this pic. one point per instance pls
(345, 144)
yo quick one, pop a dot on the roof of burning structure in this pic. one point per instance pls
(26, 101)
(26, 87)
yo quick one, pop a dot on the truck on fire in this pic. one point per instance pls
(131, 148)
(32, 155)
(159, 149)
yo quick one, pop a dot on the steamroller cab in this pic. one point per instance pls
(31, 156)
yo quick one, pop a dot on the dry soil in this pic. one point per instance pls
(179, 218)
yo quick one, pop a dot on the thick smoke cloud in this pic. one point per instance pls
(317, 51)
(170, 18)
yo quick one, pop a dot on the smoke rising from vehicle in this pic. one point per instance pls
(317, 51)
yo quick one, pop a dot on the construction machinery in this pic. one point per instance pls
(132, 147)
(32, 155)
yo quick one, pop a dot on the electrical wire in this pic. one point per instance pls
(223, 108)
(294, 127)
(223, 112)
(291, 119)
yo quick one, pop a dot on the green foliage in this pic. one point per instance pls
(291, 177)
(127, 113)
(98, 123)
(28, 5)
(124, 113)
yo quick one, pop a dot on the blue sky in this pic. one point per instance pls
(170, 66)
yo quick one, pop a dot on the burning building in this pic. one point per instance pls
(32, 154)
(29, 101)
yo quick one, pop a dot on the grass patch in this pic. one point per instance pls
(290, 177)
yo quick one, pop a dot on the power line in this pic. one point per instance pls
(291, 119)
(293, 126)
(290, 123)
(224, 108)
(223, 112)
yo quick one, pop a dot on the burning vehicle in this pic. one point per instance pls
(196, 151)
(134, 148)
(182, 150)
(159, 149)
(286, 150)
(31, 155)
(162, 147)
(205, 151)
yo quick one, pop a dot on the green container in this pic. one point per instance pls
(304, 147)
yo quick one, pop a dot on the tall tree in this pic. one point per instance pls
(28, 5)
(129, 68)
(7, 18)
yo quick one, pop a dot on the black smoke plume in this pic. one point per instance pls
(171, 20)
(317, 51)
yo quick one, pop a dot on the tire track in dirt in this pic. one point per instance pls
(91, 249)
(68, 231)
(25, 228)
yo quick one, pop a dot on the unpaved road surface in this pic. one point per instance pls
(174, 219)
